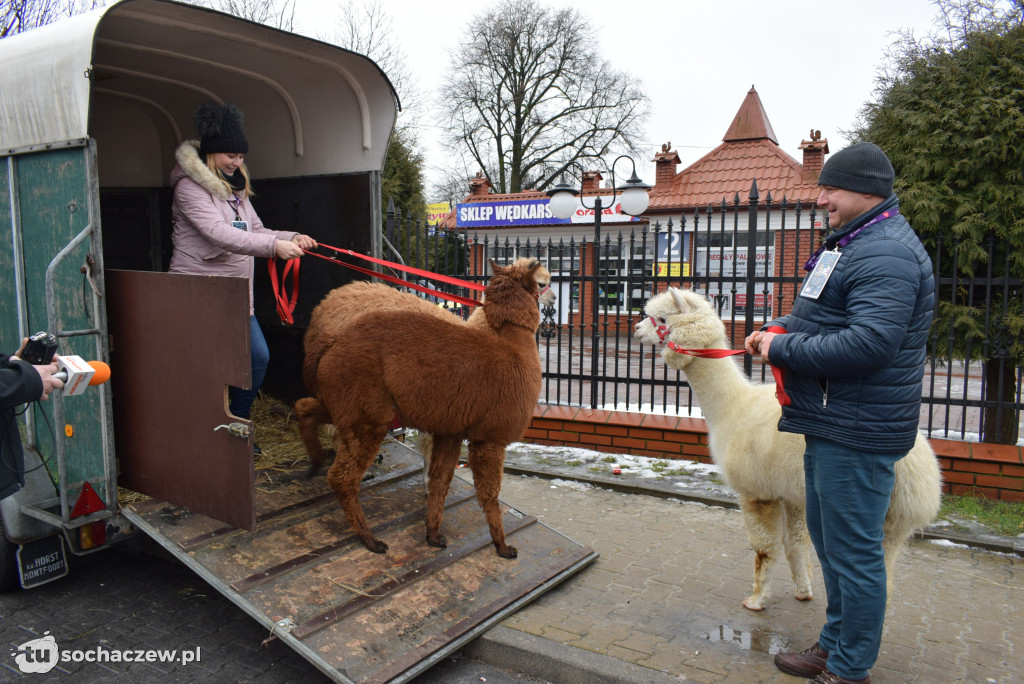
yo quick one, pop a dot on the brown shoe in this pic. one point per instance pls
(827, 677)
(807, 663)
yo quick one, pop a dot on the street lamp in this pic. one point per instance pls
(633, 199)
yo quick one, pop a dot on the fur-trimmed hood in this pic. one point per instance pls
(191, 165)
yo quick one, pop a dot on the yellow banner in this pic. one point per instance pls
(437, 211)
(671, 270)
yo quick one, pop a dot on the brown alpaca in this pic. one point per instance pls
(341, 305)
(442, 377)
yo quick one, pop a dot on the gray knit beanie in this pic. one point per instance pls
(859, 168)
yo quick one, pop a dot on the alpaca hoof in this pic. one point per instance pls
(326, 456)
(750, 604)
(376, 545)
(439, 542)
(803, 596)
(507, 551)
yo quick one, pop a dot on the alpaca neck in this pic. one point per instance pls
(717, 383)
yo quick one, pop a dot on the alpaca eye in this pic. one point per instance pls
(661, 320)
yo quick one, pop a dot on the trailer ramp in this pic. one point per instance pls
(356, 615)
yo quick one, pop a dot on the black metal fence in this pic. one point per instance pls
(747, 257)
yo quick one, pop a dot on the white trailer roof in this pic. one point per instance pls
(131, 74)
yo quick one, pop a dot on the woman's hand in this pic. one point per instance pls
(286, 249)
(304, 241)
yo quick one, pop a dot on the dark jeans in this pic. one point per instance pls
(848, 492)
(241, 399)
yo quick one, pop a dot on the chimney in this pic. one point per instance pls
(665, 163)
(591, 180)
(479, 185)
(815, 150)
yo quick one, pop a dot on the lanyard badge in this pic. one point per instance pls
(815, 282)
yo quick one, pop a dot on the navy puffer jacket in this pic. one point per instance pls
(854, 357)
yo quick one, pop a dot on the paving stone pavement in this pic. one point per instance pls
(665, 594)
(663, 598)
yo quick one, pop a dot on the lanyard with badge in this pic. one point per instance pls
(236, 201)
(822, 262)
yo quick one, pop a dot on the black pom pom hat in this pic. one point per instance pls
(220, 129)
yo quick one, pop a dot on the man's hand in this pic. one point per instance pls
(50, 383)
(757, 343)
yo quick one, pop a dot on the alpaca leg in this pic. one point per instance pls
(894, 540)
(762, 520)
(357, 447)
(797, 543)
(442, 466)
(311, 414)
(487, 463)
(426, 446)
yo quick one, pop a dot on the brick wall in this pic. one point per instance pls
(995, 471)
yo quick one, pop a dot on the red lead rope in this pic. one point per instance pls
(777, 373)
(286, 305)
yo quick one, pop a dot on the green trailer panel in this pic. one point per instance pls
(52, 228)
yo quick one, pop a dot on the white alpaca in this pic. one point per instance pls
(765, 466)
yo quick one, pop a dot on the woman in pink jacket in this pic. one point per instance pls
(216, 230)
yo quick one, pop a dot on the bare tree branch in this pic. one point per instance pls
(529, 94)
(279, 14)
(365, 27)
(17, 16)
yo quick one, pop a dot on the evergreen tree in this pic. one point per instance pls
(949, 112)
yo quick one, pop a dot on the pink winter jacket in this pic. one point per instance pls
(205, 242)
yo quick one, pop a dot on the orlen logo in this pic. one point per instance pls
(38, 655)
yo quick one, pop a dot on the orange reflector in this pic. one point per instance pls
(85, 537)
(88, 502)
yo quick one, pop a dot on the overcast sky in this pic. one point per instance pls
(813, 62)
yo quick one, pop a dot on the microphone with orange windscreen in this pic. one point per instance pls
(76, 373)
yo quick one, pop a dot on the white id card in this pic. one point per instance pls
(241, 225)
(815, 282)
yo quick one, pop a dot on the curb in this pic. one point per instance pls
(989, 542)
(551, 661)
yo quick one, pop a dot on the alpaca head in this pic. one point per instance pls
(511, 295)
(545, 295)
(684, 318)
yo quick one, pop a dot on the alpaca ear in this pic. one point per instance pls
(495, 268)
(679, 299)
(529, 280)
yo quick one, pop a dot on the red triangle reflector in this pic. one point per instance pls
(88, 502)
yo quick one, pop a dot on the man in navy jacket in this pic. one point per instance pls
(853, 356)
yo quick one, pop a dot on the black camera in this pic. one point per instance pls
(39, 349)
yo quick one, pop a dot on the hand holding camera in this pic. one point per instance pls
(72, 373)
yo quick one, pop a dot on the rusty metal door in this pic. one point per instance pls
(360, 616)
(177, 342)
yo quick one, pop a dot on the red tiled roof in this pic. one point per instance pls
(749, 152)
(729, 170)
(751, 122)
